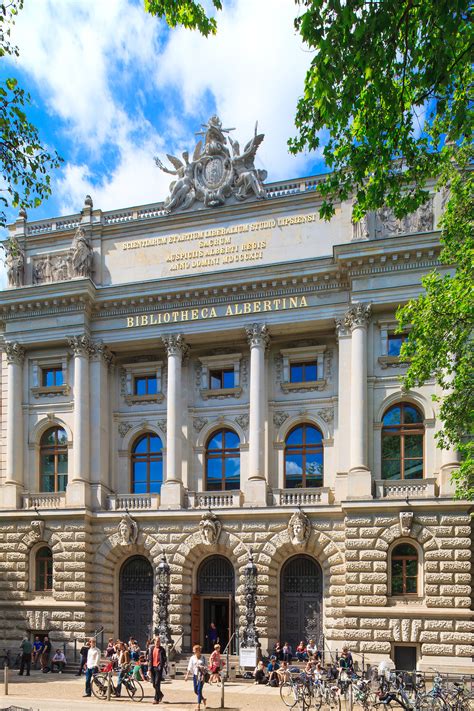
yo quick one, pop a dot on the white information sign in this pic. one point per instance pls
(248, 657)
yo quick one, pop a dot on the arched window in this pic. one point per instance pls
(147, 464)
(402, 443)
(44, 569)
(404, 570)
(53, 460)
(223, 461)
(303, 457)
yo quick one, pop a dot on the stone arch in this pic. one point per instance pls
(38, 536)
(419, 533)
(271, 560)
(48, 537)
(412, 397)
(311, 419)
(45, 424)
(184, 565)
(221, 423)
(106, 564)
(420, 566)
(141, 429)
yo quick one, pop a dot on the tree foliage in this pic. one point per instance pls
(390, 83)
(25, 163)
(188, 13)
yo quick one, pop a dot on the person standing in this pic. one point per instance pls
(37, 649)
(25, 662)
(45, 654)
(83, 653)
(156, 664)
(212, 636)
(124, 667)
(197, 667)
(92, 664)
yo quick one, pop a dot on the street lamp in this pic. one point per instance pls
(163, 629)
(250, 634)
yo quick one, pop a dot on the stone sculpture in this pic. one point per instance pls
(214, 175)
(210, 528)
(37, 527)
(14, 262)
(127, 531)
(299, 528)
(82, 255)
(406, 521)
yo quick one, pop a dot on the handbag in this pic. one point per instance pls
(205, 677)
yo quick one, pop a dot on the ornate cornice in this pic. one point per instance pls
(100, 350)
(15, 352)
(81, 345)
(175, 345)
(257, 335)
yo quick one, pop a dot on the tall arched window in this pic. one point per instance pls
(147, 464)
(402, 443)
(53, 460)
(44, 569)
(303, 457)
(223, 461)
(404, 570)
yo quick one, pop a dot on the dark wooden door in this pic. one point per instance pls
(301, 601)
(196, 620)
(136, 600)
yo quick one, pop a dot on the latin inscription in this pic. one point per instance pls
(219, 311)
(218, 246)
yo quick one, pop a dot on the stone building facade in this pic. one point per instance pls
(209, 382)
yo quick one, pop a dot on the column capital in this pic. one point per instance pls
(98, 351)
(15, 352)
(356, 315)
(81, 345)
(175, 344)
(257, 335)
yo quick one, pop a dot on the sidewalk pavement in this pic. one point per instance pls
(63, 692)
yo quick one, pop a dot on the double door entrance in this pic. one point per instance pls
(213, 613)
(301, 593)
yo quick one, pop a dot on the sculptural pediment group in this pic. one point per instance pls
(215, 173)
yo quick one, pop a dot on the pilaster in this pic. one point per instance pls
(14, 481)
(255, 487)
(78, 488)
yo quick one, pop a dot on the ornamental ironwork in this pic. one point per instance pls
(163, 629)
(250, 634)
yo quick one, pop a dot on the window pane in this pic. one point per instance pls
(392, 417)
(394, 345)
(390, 447)
(314, 469)
(404, 549)
(412, 568)
(294, 470)
(411, 585)
(59, 377)
(397, 578)
(413, 469)
(47, 483)
(413, 445)
(155, 444)
(232, 440)
(214, 468)
(313, 435)
(48, 378)
(411, 415)
(140, 386)
(61, 436)
(62, 482)
(139, 487)
(155, 487)
(47, 464)
(310, 371)
(228, 379)
(152, 386)
(295, 437)
(296, 373)
(390, 469)
(216, 441)
(156, 471)
(232, 467)
(139, 471)
(62, 463)
(215, 380)
(141, 446)
(49, 437)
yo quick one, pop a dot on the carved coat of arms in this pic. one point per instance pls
(215, 173)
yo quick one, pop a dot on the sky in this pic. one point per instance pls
(112, 86)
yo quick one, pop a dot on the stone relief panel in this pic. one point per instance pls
(75, 262)
(210, 528)
(387, 225)
(127, 531)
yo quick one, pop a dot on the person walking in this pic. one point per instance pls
(45, 654)
(25, 661)
(156, 665)
(197, 667)
(124, 667)
(83, 653)
(92, 664)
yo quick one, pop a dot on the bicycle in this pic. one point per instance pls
(101, 680)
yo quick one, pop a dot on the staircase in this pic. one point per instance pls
(181, 661)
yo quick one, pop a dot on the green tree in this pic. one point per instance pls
(25, 163)
(391, 82)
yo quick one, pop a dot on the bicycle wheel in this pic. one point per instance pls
(334, 700)
(99, 684)
(288, 694)
(427, 702)
(134, 689)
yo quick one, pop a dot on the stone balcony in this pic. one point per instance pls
(133, 502)
(300, 497)
(44, 501)
(405, 488)
(214, 499)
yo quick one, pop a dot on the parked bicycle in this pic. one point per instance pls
(101, 681)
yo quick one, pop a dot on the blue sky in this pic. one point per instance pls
(112, 87)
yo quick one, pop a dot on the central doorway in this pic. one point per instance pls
(136, 599)
(214, 603)
(301, 601)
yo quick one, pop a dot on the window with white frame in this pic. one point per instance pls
(390, 345)
(49, 376)
(220, 376)
(142, 382)
(303, 368)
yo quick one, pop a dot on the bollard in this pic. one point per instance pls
(109, 685)
(222, 690)
(5, 679)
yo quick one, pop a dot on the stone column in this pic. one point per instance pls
(14, 480)
(172, 492)
(78, 488)
(255, 488)
(343, 425)
(360, 485)
(101, 361)
(450, 459)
